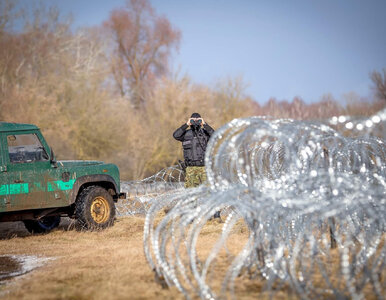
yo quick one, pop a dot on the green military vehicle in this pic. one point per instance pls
(38, 190)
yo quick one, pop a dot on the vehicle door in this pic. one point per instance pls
(58, 179)
(27, 163)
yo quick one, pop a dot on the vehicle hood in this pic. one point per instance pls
(77, 163)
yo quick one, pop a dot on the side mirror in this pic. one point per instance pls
(3, 168)
(53, 160)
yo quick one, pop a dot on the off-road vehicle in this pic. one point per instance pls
(38, 190)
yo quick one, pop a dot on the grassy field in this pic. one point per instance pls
(111, 264)
(108, 264)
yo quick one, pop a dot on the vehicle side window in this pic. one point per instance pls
(25, 148)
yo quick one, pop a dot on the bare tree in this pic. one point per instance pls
(143, 44)
(7, 14)
(379, 82)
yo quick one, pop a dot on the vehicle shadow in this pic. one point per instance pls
(10, 230)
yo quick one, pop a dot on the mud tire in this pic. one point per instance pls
(44, 225)
(94, 209)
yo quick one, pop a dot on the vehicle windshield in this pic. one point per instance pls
(25, 148)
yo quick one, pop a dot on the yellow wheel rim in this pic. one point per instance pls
(100, 210)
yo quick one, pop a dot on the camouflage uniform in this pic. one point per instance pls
(194, 176)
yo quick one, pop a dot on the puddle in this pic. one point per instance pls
(15, 265)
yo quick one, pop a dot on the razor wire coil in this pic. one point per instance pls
(310, 199)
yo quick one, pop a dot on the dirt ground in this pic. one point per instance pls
(111, 264)
(107, 264)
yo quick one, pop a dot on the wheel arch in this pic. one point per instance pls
(105, 181)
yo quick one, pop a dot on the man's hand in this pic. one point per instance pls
(189, 120)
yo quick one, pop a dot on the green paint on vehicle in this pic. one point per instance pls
(4, 189)
(60, 185)
(18, 188)
(14, 189)
(23, 188)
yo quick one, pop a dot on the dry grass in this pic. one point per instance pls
(89, 265)
(110, 264)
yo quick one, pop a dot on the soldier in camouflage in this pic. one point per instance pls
(194, 135)
(194, 176)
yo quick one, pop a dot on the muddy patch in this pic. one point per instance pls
(15, 265)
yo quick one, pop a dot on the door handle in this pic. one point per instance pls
(18, 181)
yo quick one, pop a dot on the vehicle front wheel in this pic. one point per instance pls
(44, 225)
(94, 208)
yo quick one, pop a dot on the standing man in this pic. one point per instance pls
(194, 135)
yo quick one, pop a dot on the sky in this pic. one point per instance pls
(281, 48)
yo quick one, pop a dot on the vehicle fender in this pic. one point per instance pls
(89, 180)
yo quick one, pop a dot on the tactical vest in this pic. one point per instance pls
(194, 146)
